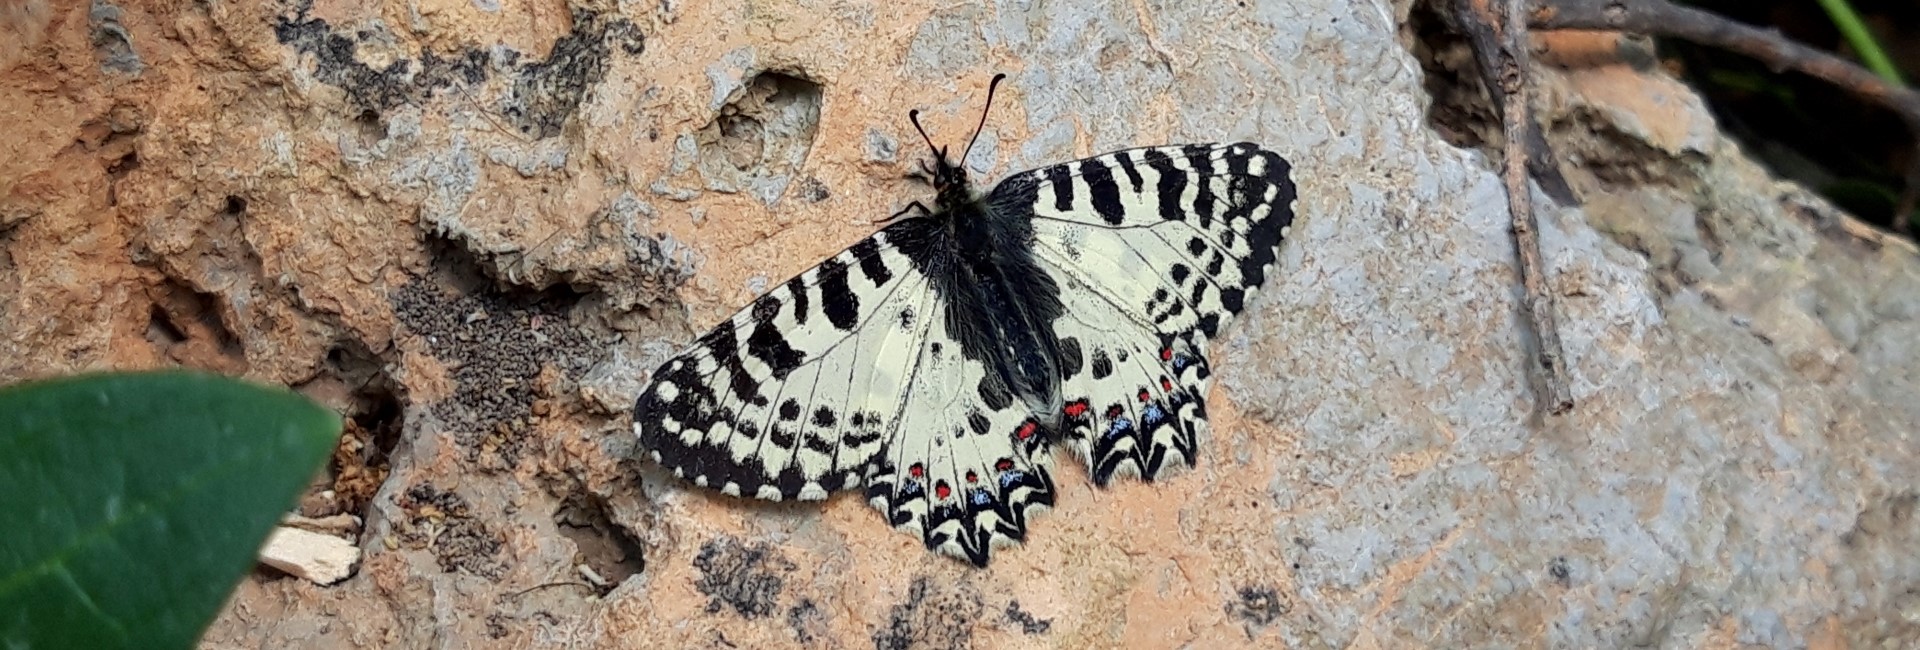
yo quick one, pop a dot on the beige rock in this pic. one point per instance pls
(324, 194)
(315, 557)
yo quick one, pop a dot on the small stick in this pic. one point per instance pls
(1498, 36)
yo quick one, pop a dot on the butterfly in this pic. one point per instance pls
(938, 363)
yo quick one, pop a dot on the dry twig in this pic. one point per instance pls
(1498, 36)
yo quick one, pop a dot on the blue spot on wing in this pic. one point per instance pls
(1152, 415)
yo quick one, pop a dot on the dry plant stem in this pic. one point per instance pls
(1498, 36)
(1662, 18)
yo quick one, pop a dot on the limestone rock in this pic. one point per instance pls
(476, 226)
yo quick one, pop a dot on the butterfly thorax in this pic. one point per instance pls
(1000, 305)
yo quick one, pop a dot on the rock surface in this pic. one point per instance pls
(476, 226)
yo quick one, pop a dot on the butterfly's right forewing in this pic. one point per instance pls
(794, 396)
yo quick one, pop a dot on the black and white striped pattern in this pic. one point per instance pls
(1162, 247)
(935, 362)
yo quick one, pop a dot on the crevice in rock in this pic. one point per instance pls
(1888, 521)
(1593, 146)
(604, 546)
(1459, 111)
(761, 137)
(362, 460)
(161, 331)
(651, 267)
(123, 164)
(1588, 145)
(187, 327)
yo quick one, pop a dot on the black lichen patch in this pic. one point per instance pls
(807, 621)
(748, 578)
(1257, 607)
(443, 522)
(402, 81)
(499, 348)
(112, 42)
(814, 190)
(546, 93)
(1029, 624)
(1561, 572)
(933, 616)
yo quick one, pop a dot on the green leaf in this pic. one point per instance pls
(132, 504)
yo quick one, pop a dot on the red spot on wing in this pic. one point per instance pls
(972, 477)
(1114, 411)
(1004, 464)
(1076, 408)
(1166, 384)
(941, 490)
(1026, 430)
(916, 471)
(1166, 354)
(1143, 395)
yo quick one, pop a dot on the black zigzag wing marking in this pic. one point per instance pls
(1136, 403)
(969, 465)
(1172, 242)
(795, 395)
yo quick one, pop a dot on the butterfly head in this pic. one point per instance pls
(949, 175)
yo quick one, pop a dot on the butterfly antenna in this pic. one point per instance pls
(991, 85)
(914, 117)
